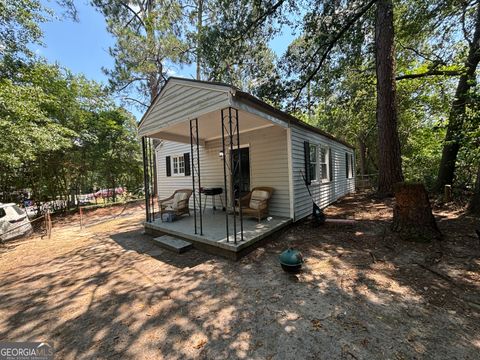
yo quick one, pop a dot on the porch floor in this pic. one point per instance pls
(214, 230)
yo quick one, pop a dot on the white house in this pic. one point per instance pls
(200, 126)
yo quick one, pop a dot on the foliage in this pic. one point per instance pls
(61, 133)
(149, 37)
(20, 23)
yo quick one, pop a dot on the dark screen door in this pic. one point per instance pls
(241, 182)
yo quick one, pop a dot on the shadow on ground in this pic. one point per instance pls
(361, 295)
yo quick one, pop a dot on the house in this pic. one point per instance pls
(212, 135)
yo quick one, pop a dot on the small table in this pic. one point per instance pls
(212, 192)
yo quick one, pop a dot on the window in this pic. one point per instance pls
(313, 162)
(178, 165)
(319, 163)
(324, 164)
(18, 210)
(349, 165)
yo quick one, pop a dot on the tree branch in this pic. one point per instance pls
(258, 21)
(135, 100)
(429, 73)
(330, 46)
(129, 82)
(135, 14)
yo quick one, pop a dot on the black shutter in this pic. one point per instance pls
(186, 160)
(306, 150)
(330, 164)
(352, 165)
(169, 166)
(347, 171)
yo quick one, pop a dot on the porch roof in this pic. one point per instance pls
(181, 100)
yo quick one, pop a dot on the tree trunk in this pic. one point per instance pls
(453, 138)
(474, 205)
(412, 214)
(199, 37)
(389, 159)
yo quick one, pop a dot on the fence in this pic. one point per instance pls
(41, 225)
(366, 181)
(82, 217)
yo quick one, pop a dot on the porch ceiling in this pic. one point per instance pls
(209, 127)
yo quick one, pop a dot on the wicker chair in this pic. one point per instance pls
(255, 203)
(179, 207)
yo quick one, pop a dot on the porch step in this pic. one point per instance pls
(172, 243)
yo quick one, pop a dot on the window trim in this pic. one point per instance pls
(315, 162)
(326, 163)
(318, 164)
(172, 163)
(349, 165)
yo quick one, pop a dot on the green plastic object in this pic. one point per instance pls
(291, 260)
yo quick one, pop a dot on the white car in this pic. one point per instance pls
(13, 222)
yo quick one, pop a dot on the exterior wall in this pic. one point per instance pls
(326, 193)
(268, 166)
(195, 101)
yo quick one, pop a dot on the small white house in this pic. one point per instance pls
(212, 135)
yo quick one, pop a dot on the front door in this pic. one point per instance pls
(241, 182)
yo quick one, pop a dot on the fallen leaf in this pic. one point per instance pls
(316, 324)
(200, 344)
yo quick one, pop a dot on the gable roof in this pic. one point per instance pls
(241, 96)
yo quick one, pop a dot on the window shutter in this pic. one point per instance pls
(306, 150)
(330, 165)
(347, 170)
(169, 166)
(352, 165)
(186, 160)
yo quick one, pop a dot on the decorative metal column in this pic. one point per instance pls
(148, 178)
(195, 170)
(231, 141)
(151, 172)
(145, 179)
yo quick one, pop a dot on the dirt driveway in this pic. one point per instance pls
(107, 292)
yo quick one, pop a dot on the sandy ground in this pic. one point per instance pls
(107, 292)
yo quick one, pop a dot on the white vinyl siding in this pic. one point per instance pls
(323, 193)
(268, 166)
(196, 101)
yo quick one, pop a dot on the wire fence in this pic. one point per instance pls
(366, 181)
(39, 226)
(43, 225)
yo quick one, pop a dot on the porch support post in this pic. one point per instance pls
(232, 171)
(197, 140)
(145, 179)
(195, 170)
(231, 130)
(225, 172)
(152, 180)
(240, 174)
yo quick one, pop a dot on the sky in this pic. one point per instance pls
(83, 46)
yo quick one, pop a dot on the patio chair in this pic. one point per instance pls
(177, 203)
(255, 203)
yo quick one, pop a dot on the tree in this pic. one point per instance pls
(20, 24)
(474, 205)
(453, 138)
(412, 213)
(149, 38)
(389, 158)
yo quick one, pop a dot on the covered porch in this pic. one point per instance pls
(198, 136)
(214, 239)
